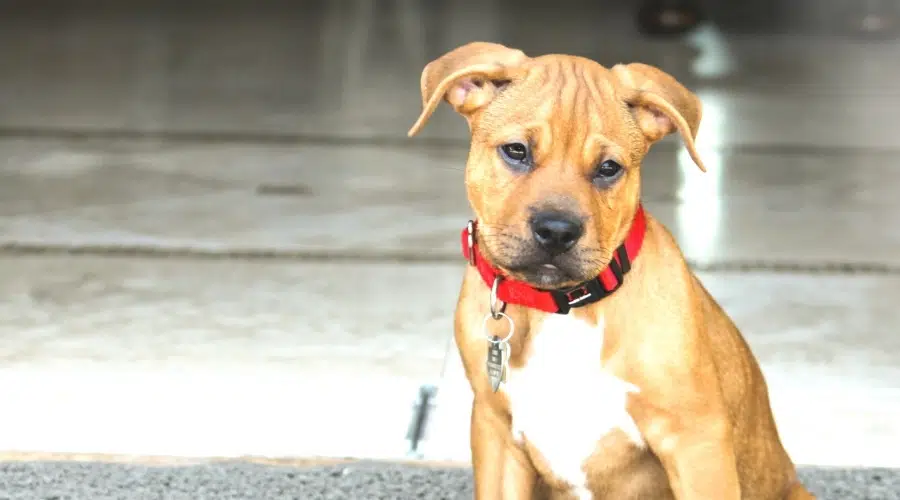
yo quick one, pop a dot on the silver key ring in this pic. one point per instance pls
(470, 241)
(497, 312)
(512, 328)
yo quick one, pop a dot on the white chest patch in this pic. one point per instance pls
(563, 401)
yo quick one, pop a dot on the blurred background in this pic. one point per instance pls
(216, 239)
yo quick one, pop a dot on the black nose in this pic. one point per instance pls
(556, 232)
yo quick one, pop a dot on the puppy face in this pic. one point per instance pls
(553, 173)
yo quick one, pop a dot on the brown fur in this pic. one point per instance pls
(703, 405)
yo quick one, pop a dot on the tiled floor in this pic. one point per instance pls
(280, 130)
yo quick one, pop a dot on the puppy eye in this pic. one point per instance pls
(607, 173)
(515, 154)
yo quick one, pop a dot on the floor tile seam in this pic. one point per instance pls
(12, 249)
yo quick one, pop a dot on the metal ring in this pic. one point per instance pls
(512, 328)
(470, 242)
(496, 311)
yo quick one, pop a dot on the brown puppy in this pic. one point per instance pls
(613, 374)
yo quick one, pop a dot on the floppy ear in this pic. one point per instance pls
(661, 105)
(467, 77)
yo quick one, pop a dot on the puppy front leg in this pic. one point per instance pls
(700, 464)
(696, 451)
(502, 470)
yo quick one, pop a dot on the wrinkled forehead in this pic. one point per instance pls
(561, 98)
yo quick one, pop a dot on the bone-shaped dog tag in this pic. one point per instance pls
(496, 362)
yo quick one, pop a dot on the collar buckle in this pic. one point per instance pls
(579, 295)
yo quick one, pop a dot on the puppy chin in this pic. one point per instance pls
(540, 272)
(549, 277)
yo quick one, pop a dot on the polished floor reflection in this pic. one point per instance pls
(254, 130)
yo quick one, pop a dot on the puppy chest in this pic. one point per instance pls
(563, 401)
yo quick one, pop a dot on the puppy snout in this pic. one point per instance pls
(556, 232)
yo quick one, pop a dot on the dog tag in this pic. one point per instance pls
(496, 362)
(504, 346)
(498, 350)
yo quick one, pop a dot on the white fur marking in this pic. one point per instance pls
(563, 401)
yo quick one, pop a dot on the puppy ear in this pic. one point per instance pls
(661, 105)
(467, 77)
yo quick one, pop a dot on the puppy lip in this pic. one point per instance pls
(547, 277)
(542, 275)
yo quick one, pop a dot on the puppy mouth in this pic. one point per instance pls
(547, 275)
(541, 270)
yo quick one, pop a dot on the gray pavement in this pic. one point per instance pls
(353, 481)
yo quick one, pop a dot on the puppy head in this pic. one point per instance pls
(553, 173)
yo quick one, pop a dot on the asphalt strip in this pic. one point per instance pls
(64, 480)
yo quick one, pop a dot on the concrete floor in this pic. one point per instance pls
(263, 264)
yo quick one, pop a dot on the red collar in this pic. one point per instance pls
(560, 301)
